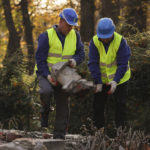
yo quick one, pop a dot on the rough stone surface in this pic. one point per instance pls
(34, 144)
(54, 144)
(20, 140)
(24, 144)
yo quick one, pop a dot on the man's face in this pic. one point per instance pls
(64, 27)
(106, 40)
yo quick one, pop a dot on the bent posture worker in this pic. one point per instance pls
(109, 66)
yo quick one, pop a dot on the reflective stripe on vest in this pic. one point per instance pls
(108, 64)
(59, 55)
(56, 53)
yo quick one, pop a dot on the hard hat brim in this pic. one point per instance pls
(70, 23)
(105, 36)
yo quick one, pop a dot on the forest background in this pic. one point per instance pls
(21, 22)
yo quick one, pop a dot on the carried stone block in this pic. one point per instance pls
(70, 80)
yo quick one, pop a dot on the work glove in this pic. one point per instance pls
(98, 88)
(113, 85)
(52, 80)
(72, 63)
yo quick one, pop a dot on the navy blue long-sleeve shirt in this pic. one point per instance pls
(43, 48)
(123, 56)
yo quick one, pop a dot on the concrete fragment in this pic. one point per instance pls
(54, 144)
(70, 80)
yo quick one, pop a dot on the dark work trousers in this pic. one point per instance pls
(62, 106)
(100, 100)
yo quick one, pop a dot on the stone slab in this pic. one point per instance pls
(34, 144)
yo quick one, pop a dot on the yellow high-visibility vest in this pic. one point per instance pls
(56, 52)
(108, 62)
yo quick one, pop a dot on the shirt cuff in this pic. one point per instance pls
(117, 79)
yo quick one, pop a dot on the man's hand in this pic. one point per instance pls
(99, 88)
(113, 85)
(72, 63)
(51, 80)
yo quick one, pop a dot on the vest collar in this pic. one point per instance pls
(107, 43)
(58, 33)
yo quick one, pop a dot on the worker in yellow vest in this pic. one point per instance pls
(61, 43)
(109, 66)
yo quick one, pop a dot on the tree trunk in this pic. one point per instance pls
(148, 17)
(87, 20)
(136, 13)
(110, 9)
(14, 38)
(28, 35)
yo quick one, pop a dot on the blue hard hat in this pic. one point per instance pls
(105, 28)
(70, 16)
